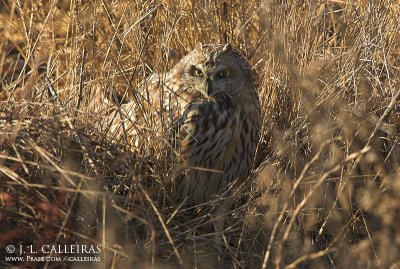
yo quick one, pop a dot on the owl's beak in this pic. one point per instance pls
(208, 87)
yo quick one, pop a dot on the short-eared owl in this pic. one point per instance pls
(210, 98)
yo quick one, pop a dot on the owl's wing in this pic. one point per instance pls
(151, 113)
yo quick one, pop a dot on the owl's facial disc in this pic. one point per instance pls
(210, 79)
(197, 78)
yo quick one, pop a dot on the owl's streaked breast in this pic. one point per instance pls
(217, 146)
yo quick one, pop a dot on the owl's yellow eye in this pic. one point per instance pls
(197, 73)
(224, 73)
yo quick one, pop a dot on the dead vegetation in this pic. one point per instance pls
(326, 187)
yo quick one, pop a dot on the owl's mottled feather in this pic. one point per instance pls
(209, 100)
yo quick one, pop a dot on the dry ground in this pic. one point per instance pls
(325, 191)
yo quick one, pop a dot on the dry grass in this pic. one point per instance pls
(326, 187)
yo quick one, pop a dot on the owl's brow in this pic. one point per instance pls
(210, 59)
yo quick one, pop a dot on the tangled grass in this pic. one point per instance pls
(325, 190)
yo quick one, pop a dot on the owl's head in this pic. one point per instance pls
(216, 70)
